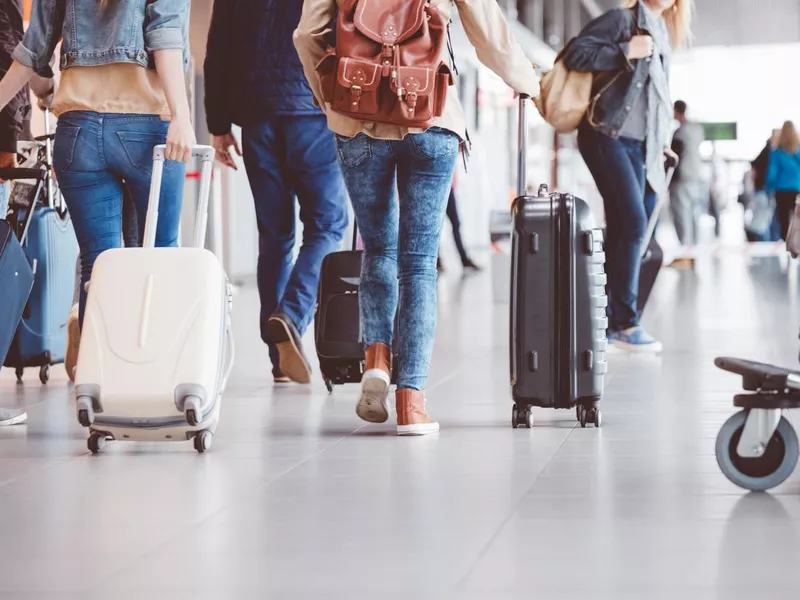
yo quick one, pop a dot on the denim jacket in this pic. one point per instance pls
(125, 31)
(602, 48)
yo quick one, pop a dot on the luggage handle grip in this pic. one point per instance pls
(206, 156)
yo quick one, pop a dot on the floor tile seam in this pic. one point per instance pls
(459, 587)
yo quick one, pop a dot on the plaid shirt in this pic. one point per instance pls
(17, 112)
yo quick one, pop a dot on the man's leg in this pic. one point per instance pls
(311, 162)
(263, 150)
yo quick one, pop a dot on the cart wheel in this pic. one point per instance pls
(578, 412)
(44, 373)
(96, 442)
(764, 472)
(329, 385)
(202, 441)
(515, 416)
(584, 416)
(19, 372)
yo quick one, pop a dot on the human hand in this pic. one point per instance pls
(222, 145)
(181, 140)
(640, 46)
(6, 161)
(671, 157)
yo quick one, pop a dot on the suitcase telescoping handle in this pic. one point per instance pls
(671, 164)
(206, 156)
(522, 147)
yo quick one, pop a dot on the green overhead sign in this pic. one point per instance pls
(718, 132)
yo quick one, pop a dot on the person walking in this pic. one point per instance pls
(399, 177)
(625, 138)
(783, 175)
(254, 79)
(455, 222)
(686, 191)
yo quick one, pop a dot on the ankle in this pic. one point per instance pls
(378, 356)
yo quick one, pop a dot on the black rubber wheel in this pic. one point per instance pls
(528, 418)
(84, 418)
(191, 417)
(202, 441)
(768, 470)
(578, 412)
(584, 416)
(598, 418)
(44, 374)
(329, 386)
(515, 416)
(95, 442)
(19, 372)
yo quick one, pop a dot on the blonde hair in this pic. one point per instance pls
(789, 140)
(678, 18)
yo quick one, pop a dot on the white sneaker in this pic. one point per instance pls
(73, 342)
(373, 406)
(12, 416)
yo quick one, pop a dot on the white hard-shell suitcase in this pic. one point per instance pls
(156, 346)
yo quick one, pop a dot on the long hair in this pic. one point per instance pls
(678, 18)
(789, 140)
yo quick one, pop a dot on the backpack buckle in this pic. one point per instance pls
(355, 95)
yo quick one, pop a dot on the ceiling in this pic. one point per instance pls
(742, 22)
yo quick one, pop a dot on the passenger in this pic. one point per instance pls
(452, 215)
(112, 111)
(686, 191)
(624, 139)
(758, 174)
(401, 235)
(783, 175)
(253, 78)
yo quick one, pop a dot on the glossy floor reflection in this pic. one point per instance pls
(298, 499)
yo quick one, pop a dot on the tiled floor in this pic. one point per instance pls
(298, 499)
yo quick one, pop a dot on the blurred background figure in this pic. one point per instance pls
(761, 222)
(686, 190)
(783, 175)
(452, 214)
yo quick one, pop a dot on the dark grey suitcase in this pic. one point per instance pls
(558, 302)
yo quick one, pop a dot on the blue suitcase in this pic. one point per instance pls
(16, 281)
(49, 244)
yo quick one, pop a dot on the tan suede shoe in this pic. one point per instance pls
(411, 416)
(373, 406)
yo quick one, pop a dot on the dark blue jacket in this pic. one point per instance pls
(602, 48)
(252, 71)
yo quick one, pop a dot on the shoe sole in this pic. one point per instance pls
(292, 363)
(639, 349)
(15, 420)
(73, 347)
(421, 429)
(373, 406)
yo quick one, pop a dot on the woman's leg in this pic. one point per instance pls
(618, 169)
(93, 194)
(785, 207)
(369, 167)
(424, 175)
(130, 140)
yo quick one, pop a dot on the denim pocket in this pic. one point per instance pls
(64, 147)
(434, 143)
(138, 146)
(354, 151)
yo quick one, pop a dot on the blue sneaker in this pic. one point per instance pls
(636, 339)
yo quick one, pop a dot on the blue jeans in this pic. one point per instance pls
(5, 190)
(285, 157)
(99, 157)
(401, 238)
(618, 168)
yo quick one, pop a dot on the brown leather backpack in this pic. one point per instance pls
(387, 65)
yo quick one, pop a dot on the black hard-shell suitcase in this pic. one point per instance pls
(337, 326)
(16, 283)
(558, 302)
(651, 252)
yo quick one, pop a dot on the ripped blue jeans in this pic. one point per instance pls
(399, 191)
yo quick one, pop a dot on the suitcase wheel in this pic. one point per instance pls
(44, 373)
(96, 441)
(19, 372)
(521, 417)
(329, 385)
(588, 414)
(202, 441)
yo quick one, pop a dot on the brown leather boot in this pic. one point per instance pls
(411, 416)
(373, 406)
